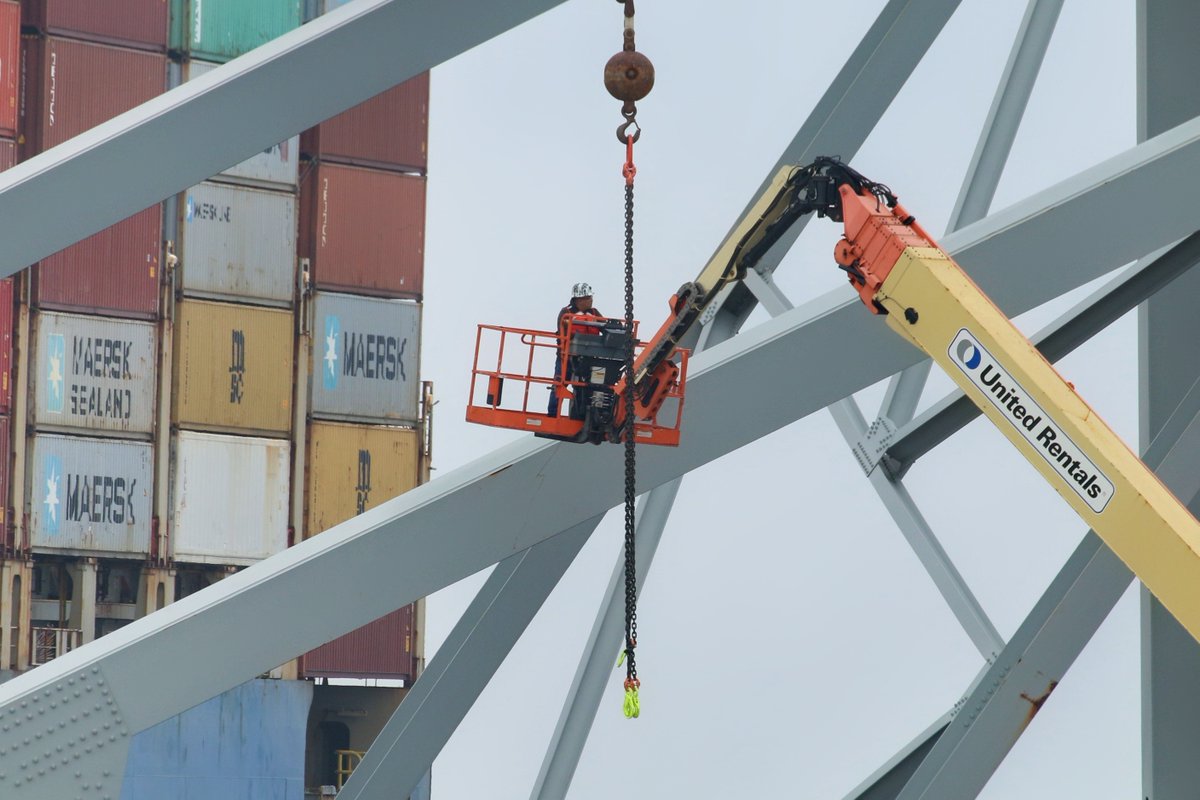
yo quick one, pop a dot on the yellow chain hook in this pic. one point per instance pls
(633, 706)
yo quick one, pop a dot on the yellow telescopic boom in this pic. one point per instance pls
(901, 272)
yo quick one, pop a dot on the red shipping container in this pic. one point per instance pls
(363, 230)
(389, 131)
(380, 649)
(6, 529)
(132, 23)
(8, 157)
(7, 325)
(112, 272)
(70, 87)
(10, 65)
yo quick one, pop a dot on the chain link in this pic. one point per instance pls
(631, 675)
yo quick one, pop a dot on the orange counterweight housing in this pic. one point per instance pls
(875, 236)
(516, 371)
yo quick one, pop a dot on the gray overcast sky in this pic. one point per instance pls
(790, 642)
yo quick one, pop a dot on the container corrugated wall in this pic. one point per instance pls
(89, 83)
(238, 243)
(218, 30)
(352, 468)
(5, 469)
(363, 230)
(229, 497)
(130, 23)
(366, 358)
(116, 270)
(380, 649)
(8, 154)
(7, 325)
(275, 167)
(233, 367)
(389, 131)
(90, 495)
(95, 373)
(245, 744)
(10, 66)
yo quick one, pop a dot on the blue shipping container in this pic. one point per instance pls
(246, 744)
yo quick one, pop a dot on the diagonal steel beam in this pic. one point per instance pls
(987, 165)
(925, 545)
(887, 781)
(485, 634)
(291, 83)
(596, 664)
(929, 551)
(1016, 685)
(452, 527)
(952, 413)
(846, 114)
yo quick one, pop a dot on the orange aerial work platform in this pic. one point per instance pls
(517, 370)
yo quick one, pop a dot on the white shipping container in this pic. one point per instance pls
(365, 363)
(277, 165)
(90, 495)
(229, 498)
(238, 243)
(95, 373)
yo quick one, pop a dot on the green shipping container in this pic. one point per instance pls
(219, 30)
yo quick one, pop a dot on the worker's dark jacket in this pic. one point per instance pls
(562, 331)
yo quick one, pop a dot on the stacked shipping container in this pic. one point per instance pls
(162, 420)
(80, 434)
(362, 222)
(234, 288)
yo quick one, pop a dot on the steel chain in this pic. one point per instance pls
(630, 460)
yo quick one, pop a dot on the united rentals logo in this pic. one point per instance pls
(363, 489)
(56, 355)
(1033, 423)
(53, 476)
(329, 375)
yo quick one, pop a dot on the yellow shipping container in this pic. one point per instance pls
(233, 367)
(355, 467)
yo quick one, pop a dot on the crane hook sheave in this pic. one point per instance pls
(629, 76)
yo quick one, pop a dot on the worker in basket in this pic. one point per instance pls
(581, 303)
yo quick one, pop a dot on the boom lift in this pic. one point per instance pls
(902, 275)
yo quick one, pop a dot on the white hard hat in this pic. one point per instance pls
(581, 290)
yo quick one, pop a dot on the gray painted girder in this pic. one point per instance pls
(887, 781)
(924, 543)
(1167, 94)
(1007, 109)
(952, 413)
(1012, 690)
(929, 551)
(295, 81)
(846, 114)
(483, 637)
(596, 665)
(987, 165)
